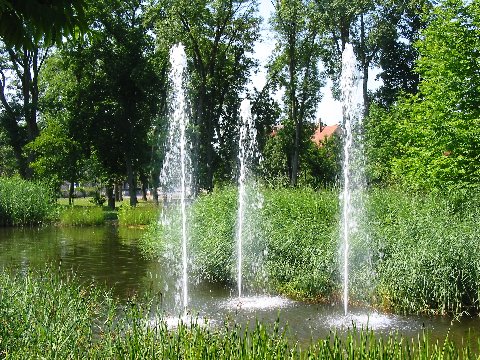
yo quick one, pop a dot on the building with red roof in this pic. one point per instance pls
(324, 132)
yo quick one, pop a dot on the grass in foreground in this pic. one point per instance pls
(51, 316)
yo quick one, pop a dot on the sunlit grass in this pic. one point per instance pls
(25, 203)
(137, 216)
(82, 216)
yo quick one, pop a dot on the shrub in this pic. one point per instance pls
(25, 203)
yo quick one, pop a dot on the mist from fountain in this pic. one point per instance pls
(353, 163)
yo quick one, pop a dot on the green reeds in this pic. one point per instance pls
(82, 216)
(25, 203)
(137, 216)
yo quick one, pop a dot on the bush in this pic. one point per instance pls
(25, 203)
(82, 216)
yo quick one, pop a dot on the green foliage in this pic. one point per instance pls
(293, 68)
(25, 203)
(421, 253)
(56, 154)
(8, 165)
(323, 163)
(98, 199)
(42, 314)
(137, 216)
(152, 243)
(82, 216)
(218, 36)
(24, 23)
(213, 234)
(319, 165)
(432, 140)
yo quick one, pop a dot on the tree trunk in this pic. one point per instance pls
(109, 189)
(155, 196)
(293, 109)
(71, 192)
(132, 184)
(118, 192)
(144, 191)
(365, 66)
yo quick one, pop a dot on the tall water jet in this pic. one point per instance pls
(249, 198)
(176, 176)
(353, 169)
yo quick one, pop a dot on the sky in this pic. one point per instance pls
(329, 109)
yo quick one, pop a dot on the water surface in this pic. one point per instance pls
(109, 256)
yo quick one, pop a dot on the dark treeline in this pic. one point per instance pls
(86, 98)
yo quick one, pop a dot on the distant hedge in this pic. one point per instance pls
(25, 203)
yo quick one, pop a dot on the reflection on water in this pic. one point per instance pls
(109, 256)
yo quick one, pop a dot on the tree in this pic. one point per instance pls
(109, 102)
(398, 54)
(295, 69)
(8, 166)
(436, 133)
(25, 23)
(382, 32)
(218, 37)
(19, 95)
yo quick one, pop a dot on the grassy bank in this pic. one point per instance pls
(85, 213)
(51, 316)
(25, 203)
(420, 254)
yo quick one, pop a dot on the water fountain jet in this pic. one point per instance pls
(175, 177)
(248, 195)
(353, 171)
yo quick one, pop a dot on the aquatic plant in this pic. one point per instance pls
(137, 216)
(25, 203)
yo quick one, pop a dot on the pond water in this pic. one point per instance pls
(109, 256)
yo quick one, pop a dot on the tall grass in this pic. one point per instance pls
(423, 251)
(428, 251)
(82, 216)
(50, 316)
(25, 203)
(137, 216)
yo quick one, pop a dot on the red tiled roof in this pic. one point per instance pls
(326, 131)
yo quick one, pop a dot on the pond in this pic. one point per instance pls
(109, 256)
